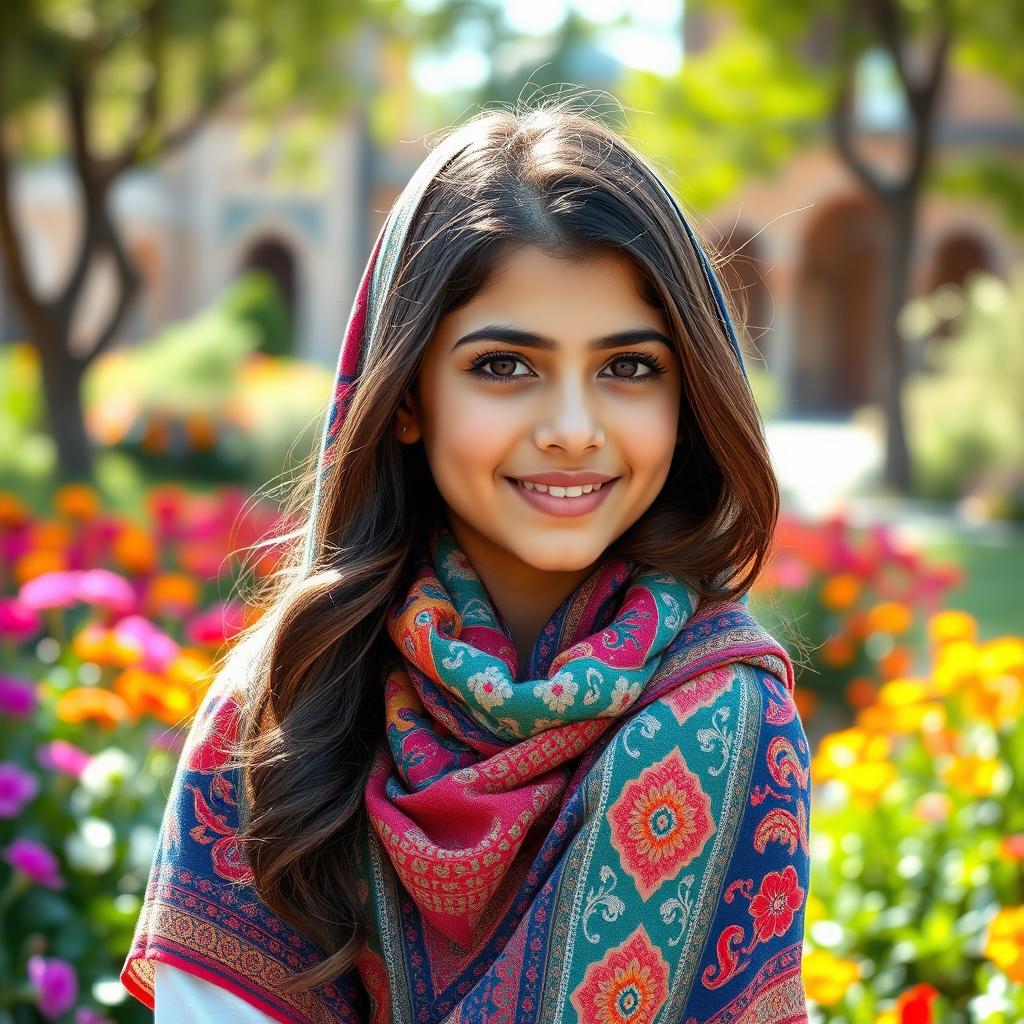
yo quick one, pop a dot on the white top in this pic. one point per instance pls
(180, 996)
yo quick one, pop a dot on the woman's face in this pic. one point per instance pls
(554, 366)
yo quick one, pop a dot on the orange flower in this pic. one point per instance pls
(1004, 942)
(93, 703)
(13, 511)
(890, 617)
(36, 563)
(840, 591)
(948, 626)
(201, 431)
(1011, 848)
(50, 534)
(93, 643)
(77, 501)
(972, 774)
(860, 692)
(134, 550)
(172, 593)
(156, 437)
(897, 662)
(838, 651)
(806, 703)
(150, 694)
(998, 701)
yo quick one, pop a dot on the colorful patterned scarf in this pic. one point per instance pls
(615, 832)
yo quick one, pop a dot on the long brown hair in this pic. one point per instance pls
(560, 179)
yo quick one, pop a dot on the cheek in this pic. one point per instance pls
(646, 436)
(466, 440)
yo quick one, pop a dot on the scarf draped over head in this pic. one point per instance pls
(614, 831)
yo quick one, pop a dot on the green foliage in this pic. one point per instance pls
(965, 415)
(256, 300)
(742, 107)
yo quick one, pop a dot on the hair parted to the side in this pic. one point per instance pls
(544, 174)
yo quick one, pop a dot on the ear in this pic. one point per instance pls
(407, 419)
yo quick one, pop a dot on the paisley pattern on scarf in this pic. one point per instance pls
(650, 865)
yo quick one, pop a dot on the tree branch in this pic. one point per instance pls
(174, 138)
(842, 115)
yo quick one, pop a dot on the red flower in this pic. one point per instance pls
(775, 903)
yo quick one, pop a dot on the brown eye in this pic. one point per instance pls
(632, 364)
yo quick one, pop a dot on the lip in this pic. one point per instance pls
(566, 477)
(562, 506)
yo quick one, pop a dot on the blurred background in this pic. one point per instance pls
(188, 194)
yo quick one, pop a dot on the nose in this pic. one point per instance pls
(569, 422)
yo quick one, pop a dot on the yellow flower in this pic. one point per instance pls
(956, 666)
(1004, 942)
(890, 617)
(77, 501)
(951, 625)
(840, 591)
(868, 781)
(827, 977)
(846, 749)
(997, 700)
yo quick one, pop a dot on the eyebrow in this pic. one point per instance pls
(514, 336)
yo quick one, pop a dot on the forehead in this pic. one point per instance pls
(529, 275)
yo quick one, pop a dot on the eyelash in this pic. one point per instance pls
(656, 366)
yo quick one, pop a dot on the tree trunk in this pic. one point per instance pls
(62, 388)
(897, 465)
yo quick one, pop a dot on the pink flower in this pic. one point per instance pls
(51, 590)
(35, 860)
(17, 621)
(157, 649)
(17, 788)
(55, 982)
(17, 697)
(61, 756)
(215, 625)
(106, 589)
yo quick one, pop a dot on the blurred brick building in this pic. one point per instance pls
(805, 252)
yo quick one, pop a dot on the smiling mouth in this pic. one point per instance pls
(561, 492)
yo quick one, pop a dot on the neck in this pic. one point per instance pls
(526, 597)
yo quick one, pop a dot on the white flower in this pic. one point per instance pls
(489, 688)
(107, 772)
(557, 693)
(624, 693)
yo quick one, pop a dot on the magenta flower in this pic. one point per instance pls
(86, 1015)
(17, 697)
(51, 590)
(61, 756)
(156, 649)
(107, 590)
(17, 788)
(55, 982)
(215, 625)
(16, 621)
(36, 861)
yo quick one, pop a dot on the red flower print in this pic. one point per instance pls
(630, 984)
(775, 903)
(660, 823)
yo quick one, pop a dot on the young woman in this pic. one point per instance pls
(506, 744)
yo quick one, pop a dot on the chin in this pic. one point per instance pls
(561, 553)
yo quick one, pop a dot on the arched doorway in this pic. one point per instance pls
(275, 257)
(960, 254)
(839, 300)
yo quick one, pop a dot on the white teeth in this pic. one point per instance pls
(560, 492)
